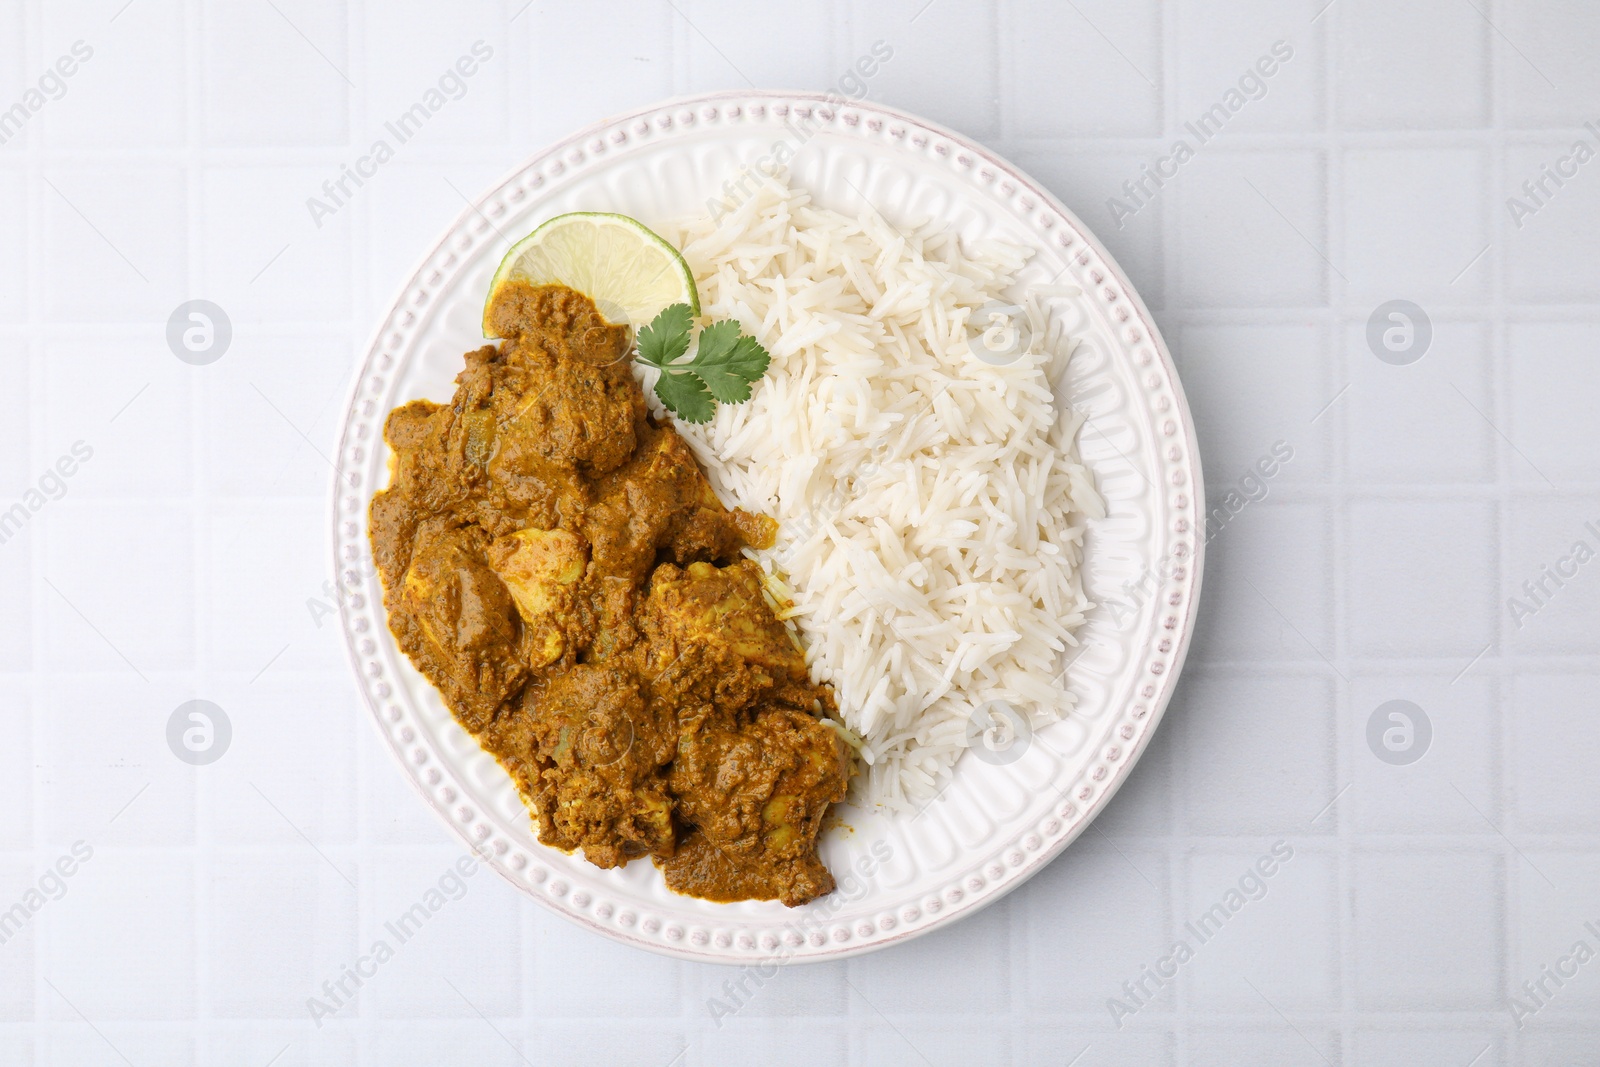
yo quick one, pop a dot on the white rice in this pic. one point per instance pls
(931, 506)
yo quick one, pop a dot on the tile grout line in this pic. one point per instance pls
(37, 423)
(1377, 137)
(1495, 169)
(196, 267)
(357, 61)
(1179, 872)
(1336, 433)
(1176, 867)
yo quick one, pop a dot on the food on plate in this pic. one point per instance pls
(555, 562)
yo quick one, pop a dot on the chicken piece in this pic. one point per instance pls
(599, 749)
(615, 634)
(453, 614)
(564, 392)
(500, 445)
(541, 569)
(563, 320)
(418, 435)
(725, 606)
(756, 792)
(659, 501)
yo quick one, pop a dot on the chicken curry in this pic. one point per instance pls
(557, 565)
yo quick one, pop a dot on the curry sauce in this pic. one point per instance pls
(556, 564)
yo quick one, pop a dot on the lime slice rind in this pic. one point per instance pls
(629, 271)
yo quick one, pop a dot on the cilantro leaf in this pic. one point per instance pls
(722, 368)
(667, 336)
(685, 395)
(727, 361)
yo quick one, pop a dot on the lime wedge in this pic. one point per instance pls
(627, 270)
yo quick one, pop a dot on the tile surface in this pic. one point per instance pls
(1393, 681)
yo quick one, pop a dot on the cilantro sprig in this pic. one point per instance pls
(724, 363)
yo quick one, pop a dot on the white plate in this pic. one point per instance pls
(994, 826)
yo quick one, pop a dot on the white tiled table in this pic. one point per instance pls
(185, 558)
